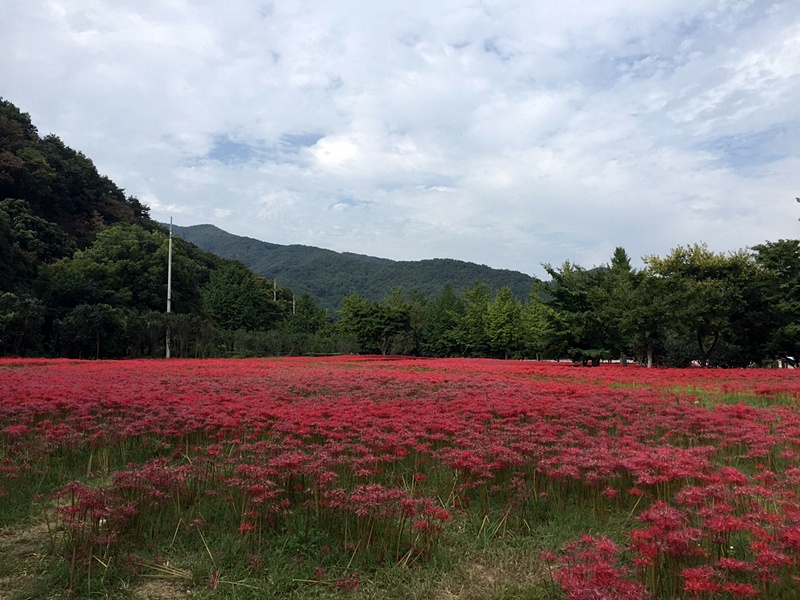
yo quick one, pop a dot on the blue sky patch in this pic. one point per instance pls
(231, 151)
(293, 142)
(749, 150)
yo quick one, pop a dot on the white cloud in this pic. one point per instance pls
(506, 133)
(333, 152)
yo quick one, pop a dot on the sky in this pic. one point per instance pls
(511, 134)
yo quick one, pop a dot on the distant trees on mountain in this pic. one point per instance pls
(330, 276)
(83, 273)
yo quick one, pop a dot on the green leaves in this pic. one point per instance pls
(709, 296)
(21, 319)
(236, 298)
(377, 327)
(780, 262)
(504, 324)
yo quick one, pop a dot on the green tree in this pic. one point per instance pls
(713, 298)
(378, 328)
(17, 136)
(38, 239)
(236, 298)
(60, 185)
(577, 328)
(307, 317)
(613, 298)
(15, 266)
(442, 317)
(472, 331)
(127, 266)
(89, 331)
(408, 314)
(307, 328)
(647, 315)
(504, 323)
(535, 320)
(81, 200)
(21, 320)
(780, 262)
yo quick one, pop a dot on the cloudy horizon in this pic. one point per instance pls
(509, 134)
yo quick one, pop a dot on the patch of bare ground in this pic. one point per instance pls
(25, 557)
(494, 576)
(24, 552)
(162, 582)
(159, 589)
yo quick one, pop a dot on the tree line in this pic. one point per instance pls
(107, 301)
(693, 306)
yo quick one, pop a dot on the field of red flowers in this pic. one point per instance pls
(691, 477)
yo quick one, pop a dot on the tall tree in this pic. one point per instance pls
(378, 328)
(781, 263)
(89, 331)
(15, 266)
(534, 326)
(504, 324)
(408, 312)
(471, 333)
(41, 241)
(443, 314)
(307, 317)
(21, 320)
(127, 266)
(710, 296)
(646, 315)
(236, 299)
(611, 298)
(577, 328)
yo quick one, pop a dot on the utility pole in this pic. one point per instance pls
(169, 282)
(274, 290)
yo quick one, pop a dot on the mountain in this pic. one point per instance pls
(330, 276)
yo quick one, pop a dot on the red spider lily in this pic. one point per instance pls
(371, 450)
(592, 570)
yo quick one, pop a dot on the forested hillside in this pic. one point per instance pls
(330, 276)
(83, 268)
(55, 201)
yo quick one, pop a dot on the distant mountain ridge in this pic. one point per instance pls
(330, 276)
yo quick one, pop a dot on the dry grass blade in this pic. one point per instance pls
(166, 571)
(243, 584)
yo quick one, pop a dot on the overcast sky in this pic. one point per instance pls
(504, 133)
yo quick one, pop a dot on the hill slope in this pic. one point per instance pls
(330, 276)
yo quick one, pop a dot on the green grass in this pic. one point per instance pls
(490, 557)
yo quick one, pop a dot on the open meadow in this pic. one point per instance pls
(362, 477)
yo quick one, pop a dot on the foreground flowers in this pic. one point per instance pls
(375, 458)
